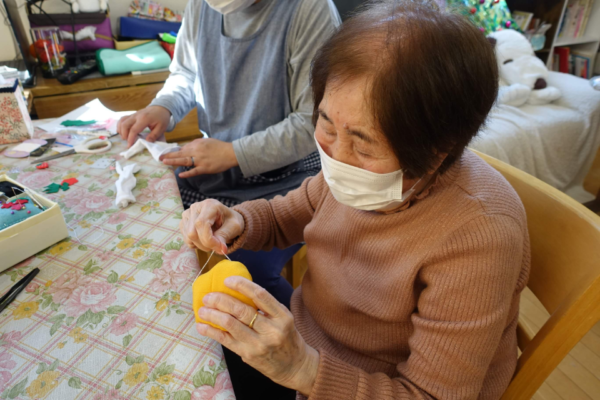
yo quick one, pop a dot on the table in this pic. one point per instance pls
(52, 99)
(110, 314)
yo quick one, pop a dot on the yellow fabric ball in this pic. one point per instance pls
(214, 281)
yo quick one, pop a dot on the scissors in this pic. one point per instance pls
(89, 146)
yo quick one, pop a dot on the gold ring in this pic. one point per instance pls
(251, 325)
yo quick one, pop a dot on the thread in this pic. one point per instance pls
(205, 264)
(91, 241)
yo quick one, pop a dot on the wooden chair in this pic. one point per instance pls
(565, 277)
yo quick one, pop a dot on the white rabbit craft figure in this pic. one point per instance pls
(125, 184)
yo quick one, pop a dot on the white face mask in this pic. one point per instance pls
(229, 6)
(362, 189)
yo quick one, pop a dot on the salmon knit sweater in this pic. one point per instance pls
(418, 304)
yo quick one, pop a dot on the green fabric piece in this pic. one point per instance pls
(167, 37)
(77, 123)
(145, 57)
(52, 188)
(55, 187)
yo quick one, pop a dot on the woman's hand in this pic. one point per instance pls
(210, 226)
(211, 156)
(154, 117)
(273, 347)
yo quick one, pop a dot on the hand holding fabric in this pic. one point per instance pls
(156, 149)
(156, 118)
(210, 156)
(273, 346)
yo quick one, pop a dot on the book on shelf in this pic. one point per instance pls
(582, 62)
(522, 19)
(577, 15)
(563, 54)
(573, 62)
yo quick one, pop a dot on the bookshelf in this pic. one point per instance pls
(553, 11)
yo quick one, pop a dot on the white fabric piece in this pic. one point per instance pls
(93, 110)
(556, 142)
(125, 184)
(156, 149)
(89, 32)
(27, 147)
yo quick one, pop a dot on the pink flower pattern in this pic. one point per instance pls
(157, 189)
(123, 323)
(32, 287)
(223, 390)
(82, 202)
(74, 293)
(180, 261)
(167, 279)
(5, 364)
(36, 179)
(117, 218)
(5, 377)
(62, 289)
(12, 336)
(112, 394)
(103, 255)
(96, 297)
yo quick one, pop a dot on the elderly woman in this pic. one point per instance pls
(417, 249)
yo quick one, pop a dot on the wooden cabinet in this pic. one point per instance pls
(51, 99)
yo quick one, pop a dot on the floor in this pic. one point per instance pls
(578, 375)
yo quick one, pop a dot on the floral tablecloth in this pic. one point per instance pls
(110, 314)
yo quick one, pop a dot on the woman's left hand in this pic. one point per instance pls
(273, 347)
(205, 156)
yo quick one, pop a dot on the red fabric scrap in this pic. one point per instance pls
(70, 181)
(42, 166)
(7, 205)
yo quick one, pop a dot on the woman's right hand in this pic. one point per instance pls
(210, 226)
(156, 118)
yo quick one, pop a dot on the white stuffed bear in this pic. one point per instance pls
(89, 5)
(523, 76)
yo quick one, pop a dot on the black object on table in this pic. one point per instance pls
(14, 291)
(40, 151)
(8, 188)
(72, 75)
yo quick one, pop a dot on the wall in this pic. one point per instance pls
(118, 8)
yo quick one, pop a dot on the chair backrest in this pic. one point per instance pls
(565, 276)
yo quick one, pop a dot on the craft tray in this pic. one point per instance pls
(29, 237)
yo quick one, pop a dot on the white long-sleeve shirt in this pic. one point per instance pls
(287, 141)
